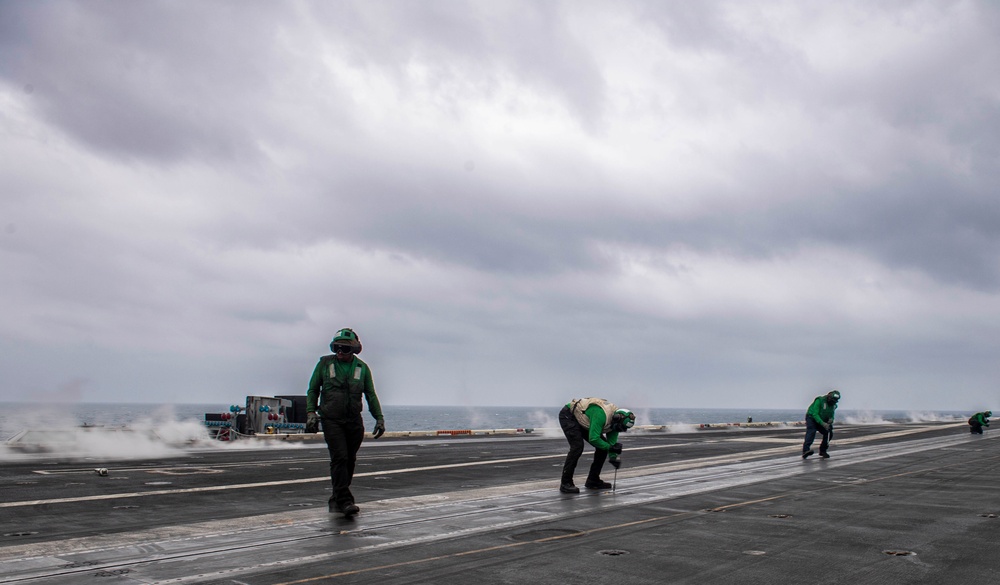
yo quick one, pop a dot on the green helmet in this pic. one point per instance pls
(346, 336)
(622, 420)
(988, 413)
(832, 396)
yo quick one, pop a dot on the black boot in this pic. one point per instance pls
(597, 485)
(348, 509)
(567, 487)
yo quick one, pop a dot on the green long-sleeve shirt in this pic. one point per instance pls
(821, 411)
(596, 435)
(981, 418)
(336, 388)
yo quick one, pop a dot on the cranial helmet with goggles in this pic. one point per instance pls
(346, 341)
(832, 396)
(622, 420)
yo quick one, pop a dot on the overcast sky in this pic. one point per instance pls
(668, 204)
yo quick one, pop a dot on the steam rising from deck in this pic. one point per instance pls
(59, 435)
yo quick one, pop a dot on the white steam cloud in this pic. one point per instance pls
(58, 435)
(545, 424)
(919, 417)
(866, 417)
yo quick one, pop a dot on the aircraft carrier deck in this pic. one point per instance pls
(896, 503)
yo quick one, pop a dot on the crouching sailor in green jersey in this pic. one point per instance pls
(978, 421)
(819, 419)
(598, 422)
(334, 398)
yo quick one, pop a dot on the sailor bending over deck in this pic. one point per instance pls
(819, 419)
(598, 422)
(978, 421)
(334, 397)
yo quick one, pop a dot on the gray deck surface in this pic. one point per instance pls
(900, 503)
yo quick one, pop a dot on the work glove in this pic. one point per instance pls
(379, 429)
(616, 449)
(827, 426)
(312, 422)
(616, 463)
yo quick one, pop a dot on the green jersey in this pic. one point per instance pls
(821, 411)
(336, 388)
(598, 421)
(980, 417)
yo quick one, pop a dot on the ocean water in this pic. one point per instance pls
(16, 417)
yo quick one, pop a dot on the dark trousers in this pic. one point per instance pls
(576, 435)
(343, 439)
(813, 427)
(975, 428)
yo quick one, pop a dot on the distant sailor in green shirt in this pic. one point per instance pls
(334, 397)
(598, 422)
(978, 421)
(819, 419)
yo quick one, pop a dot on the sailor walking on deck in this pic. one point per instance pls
(334, 398)
(598, 422)
(819, 419)
(978, 421)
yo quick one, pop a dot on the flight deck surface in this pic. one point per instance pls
(896, 503)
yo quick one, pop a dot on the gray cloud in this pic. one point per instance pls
(689, 204)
